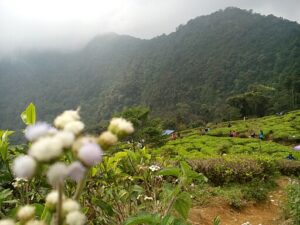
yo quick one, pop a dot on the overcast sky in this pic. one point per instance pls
(65, 24)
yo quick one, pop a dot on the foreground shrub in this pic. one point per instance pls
(220, 171)
(292, 208)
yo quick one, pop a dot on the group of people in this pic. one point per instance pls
(261, 135)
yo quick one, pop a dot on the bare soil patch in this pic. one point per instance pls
(267, 213)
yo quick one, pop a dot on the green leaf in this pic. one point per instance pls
(183, 204)
(29, 115)
(172, 171)
(39, 208)
(107, 208)
(143, 218)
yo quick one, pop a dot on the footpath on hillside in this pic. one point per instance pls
(267, 213)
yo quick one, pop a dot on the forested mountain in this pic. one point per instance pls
(204, 71)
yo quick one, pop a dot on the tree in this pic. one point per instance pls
(147, 130)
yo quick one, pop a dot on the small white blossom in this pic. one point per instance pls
(26, 213)
(76, 171)
(24, 167)
(52, 199)
(46, 149)
(154, 168)
(120, 127)
(70, 205)
(75, 127)
(107, 139)
(75, 218)
(19, 182)
(148, 198)
(7, 222)
(66, 117)
(90, 154)
(35, 222)
(36, 131)
(57, 173)
(67, 138)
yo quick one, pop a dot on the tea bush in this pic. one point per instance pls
(220, 171)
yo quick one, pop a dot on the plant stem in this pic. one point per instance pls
(80, 187)
(173, 199)
(59, 204)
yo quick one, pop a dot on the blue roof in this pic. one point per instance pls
(168, 132)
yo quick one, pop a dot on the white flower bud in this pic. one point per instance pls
(35, 131)
(67, 138)
(76, 171)
(90, 154)
(75, 127)
(107, 139)
(52, 199)
(26, 213)
(75, 218)
(57, 173)
(120, 127)
(46, 149)
(7, 222)
(81, 141)
(24, 167)
(35, 222)
(66, 117)
(70, 205)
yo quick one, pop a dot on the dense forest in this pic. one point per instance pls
(218, 67)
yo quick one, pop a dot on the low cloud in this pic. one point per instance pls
(69, 24)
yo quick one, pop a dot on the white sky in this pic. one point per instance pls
(41, 24)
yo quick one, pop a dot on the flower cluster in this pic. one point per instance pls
(49, 145)
(154, 168)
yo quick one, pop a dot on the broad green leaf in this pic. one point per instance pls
(183, 204)
(137, 188)
(3, 150)
(143, 218)
(29, 115)
(104, 206)
(172, 171)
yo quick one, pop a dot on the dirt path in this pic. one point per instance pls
(268, 213)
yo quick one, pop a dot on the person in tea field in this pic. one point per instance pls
(261, 135)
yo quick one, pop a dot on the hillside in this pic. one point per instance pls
(185, 76)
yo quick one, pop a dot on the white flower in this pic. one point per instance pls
(75, 127)
(70, 205)
(76, 171)
(154, 168)
(67, 138)
(26, 213)
(148, 198)
(90, 154)
(52, 199)
(46, 149)
(34, 132)
(82, 141)
(24, 167)
(35, 222)
(75, 218)
(66, 117)
(19, 182)
(120, 127)
(57, 173)
(107, 139)
(7, 222)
